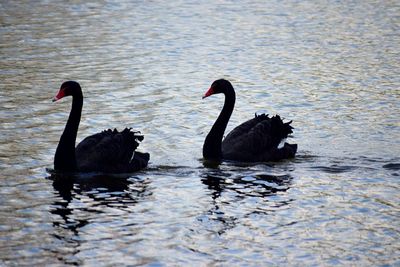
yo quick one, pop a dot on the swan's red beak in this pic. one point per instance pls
(60, 95)
(209, 92)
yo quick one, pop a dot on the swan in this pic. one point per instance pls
(109, 151)
(256, 140)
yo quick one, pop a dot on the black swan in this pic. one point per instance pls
(110, 151)
(256, 140)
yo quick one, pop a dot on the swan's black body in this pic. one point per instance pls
(255, 140)
(109, 151)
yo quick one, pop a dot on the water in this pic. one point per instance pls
(331, 67)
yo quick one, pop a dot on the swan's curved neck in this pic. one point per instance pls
(64, 159)
(213, 142)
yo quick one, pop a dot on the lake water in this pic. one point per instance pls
(330, 66)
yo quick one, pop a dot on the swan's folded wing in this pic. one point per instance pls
(254, 139)
(242, 129)
(107, 151)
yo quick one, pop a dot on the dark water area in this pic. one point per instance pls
(330, 66)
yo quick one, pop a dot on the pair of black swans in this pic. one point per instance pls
(111, 151)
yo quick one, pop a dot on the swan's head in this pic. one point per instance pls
(67, 89)
(218, 87)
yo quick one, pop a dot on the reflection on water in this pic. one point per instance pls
(259, 185)
(96, 196)
(227, 189)
(331, 67)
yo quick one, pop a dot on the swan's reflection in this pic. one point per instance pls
(242, 191)
(251, 185)
(81, 202)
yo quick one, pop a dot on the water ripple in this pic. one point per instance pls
(332, 68)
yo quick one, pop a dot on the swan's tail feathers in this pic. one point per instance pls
(139, 161)
(130, 139)
(280, 129)
(137, 134)
(272, 129)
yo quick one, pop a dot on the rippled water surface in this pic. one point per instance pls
(330, 66)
